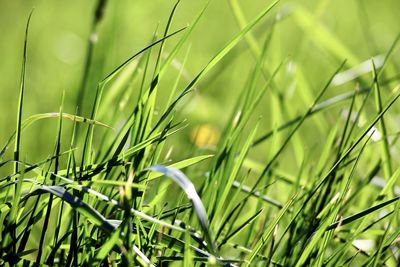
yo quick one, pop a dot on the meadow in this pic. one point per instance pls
(199, 133)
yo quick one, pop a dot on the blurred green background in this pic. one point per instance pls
(60, 31)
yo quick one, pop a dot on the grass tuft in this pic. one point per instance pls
(264, 170)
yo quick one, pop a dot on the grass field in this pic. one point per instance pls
(193, 133)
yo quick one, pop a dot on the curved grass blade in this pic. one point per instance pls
(34, 118)
(76, 203)
(181, 164)
(180, 179)
(114, 202)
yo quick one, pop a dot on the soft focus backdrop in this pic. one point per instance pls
(313, 43)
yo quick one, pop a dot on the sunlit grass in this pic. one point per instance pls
(324, 192)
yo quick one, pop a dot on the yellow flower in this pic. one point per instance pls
(204, 135)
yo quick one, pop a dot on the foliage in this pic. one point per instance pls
(315, 186)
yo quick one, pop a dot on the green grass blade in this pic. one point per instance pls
(117, 70)
(181, 165)
(386, 157)
(214, 61)
(361, 214)
(21, 96)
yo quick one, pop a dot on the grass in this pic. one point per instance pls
(283, 186)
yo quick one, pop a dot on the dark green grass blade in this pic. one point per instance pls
(361, 214)
(32, 167)
(227, 220)
(344, 156)
(56, 247)
(320, 233)
(106, 247)
(56, 170)
(203, 260)
(261, 243)
(32, 220)
(109, 200)
(87, 147)
(134, 150)
(17, 257)
(75, 203)
(223, 194)
(97, 218)
(388, 238)
(346, 126)
(365, 132)
(11, 225)
(50, 204)
(341, 249)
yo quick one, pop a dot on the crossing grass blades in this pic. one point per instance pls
(121, 202)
